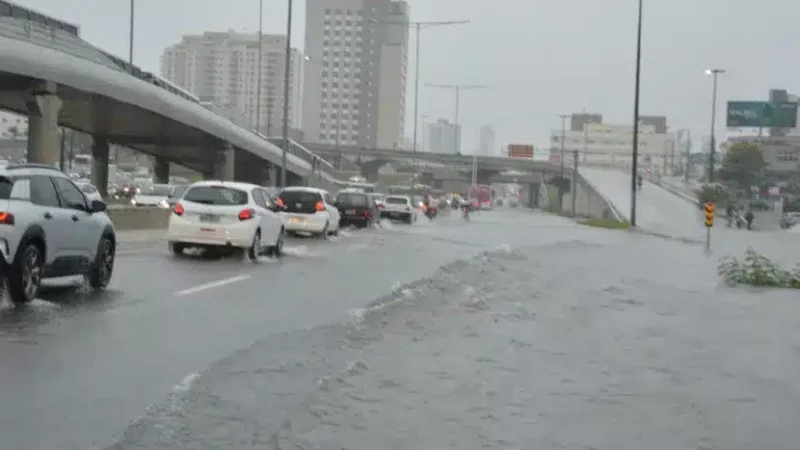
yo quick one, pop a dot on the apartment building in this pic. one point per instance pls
(354, 89)
(223, 68)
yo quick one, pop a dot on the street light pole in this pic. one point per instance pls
(563, 156)
(457, 88)
(260, 59)
(635, 152)
(286, 74)
(417, 26)
(130, 37)
(713, 142)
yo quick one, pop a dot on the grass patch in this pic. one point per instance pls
(755, 269)
(610, 224)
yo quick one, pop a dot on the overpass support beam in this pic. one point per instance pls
(161, 170)
(43, 137)
(100, 153)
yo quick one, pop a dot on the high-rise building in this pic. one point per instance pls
(222, 68)
(486, 140)
(444, 137)
(354, 88)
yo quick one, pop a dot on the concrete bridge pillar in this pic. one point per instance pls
(43, 137)
(221, 164)
(161, 170)
(99, 175)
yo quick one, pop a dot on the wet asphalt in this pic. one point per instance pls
(516, 330)
(79, 367)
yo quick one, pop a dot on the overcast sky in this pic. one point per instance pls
(541, 57)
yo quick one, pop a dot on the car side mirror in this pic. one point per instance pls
(97, 206)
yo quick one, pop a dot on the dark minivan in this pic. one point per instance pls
(357, 208)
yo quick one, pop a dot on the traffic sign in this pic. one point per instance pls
(762, 114)
(709, 213)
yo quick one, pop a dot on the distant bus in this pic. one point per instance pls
(481, 196)
(369, 188)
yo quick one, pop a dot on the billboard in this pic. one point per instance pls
(520, 151)
(762, 114)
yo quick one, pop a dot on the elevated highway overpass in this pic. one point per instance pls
(57, 79)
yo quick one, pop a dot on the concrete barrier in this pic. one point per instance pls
(139, 218)
(589, 202)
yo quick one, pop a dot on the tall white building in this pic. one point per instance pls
(222, 68)
(354, 89)
(443, 137)
(486, 140)
(606, 144)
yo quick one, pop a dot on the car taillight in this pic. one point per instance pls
(319, 206)
(178, 209)
(366, 213)
(280, 203)
(6, 218)
(381, 206)
(247, 214)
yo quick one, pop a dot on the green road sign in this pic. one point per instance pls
(762, 114)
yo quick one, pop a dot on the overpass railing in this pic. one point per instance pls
(47, 36)
(65, 42)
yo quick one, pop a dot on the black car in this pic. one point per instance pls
(357, 208)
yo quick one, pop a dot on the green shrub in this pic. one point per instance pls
(755, 269)
(713, 192)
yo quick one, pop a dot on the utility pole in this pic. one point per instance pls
(260, 59)
(457, 88)
(286, 82)
(713, 143)
(637, 86)
(574, 190)
(564, 118)
(417, 26)
(688, 167)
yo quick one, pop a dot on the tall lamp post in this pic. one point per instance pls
(713, 144)
(457, 88)
(417, 26)
(564, 118)
(260, 59)
(635, 152)
(286, 74)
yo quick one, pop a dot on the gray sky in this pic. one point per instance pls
(541, 57)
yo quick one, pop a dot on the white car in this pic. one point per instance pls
(399, 207)
(154, 195)
(90, 191)
(219, 215)
(309, 210)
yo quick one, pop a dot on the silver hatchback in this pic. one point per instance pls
(49, 229)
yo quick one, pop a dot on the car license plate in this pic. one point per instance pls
(296, 220)
(209, 218)
(350, 212)
(394, 214)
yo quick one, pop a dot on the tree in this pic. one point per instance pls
(742, 165)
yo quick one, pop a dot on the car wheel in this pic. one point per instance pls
(26, 275)
(277, 249)
(103, 266)
(255, 249)
(177, 248)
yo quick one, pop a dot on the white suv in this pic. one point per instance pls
(225, 215)
(49, 229)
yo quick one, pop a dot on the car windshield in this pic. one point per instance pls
(397, 200)
(352, 199)
(157, 189)
(216, 195)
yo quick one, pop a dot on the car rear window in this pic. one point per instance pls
(216, 195)
(352, 199)
(396, 200)
(5, 188)
(300, 201)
